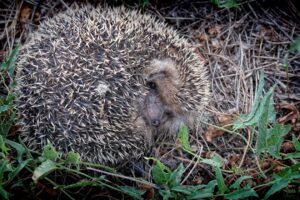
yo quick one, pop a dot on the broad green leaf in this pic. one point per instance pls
(276, 187)
(43, 170)
(261, 142)
(19, 148)
(296, 143)
(175, 176)
(275, 138)
(161, 173)
(237, 183)
(133, 192)
(183, 136)
(242, 194)
(215, 161)
(220, 181)
(49, 152)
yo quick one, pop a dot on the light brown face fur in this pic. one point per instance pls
(162, 110)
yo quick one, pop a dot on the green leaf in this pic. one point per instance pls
(250, 119)
(215, 161)
(133, 192)
(201, 195)
(242, 194)
(220, 181)
(49, 152)
(295, 46)
(296, 142)
(43, 170)
(4, 108)
(9, 65)
(17, 170)
(19, 148)
(4, 149)
(261, 142)
(73, 157)
(161, 173)
(237, 183)
(294, 155)
(4, 193)
(166, 194)
(175, 176)
(276, 187)
(275, 138)
(183, 136)
(81, 183)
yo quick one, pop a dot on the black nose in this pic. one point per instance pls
(155, 123)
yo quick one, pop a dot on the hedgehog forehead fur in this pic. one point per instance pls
(83, 82)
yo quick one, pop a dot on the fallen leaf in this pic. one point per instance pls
(212, 133)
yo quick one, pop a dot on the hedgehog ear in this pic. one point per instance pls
(162, 69)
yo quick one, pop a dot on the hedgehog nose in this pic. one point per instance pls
(155, 122)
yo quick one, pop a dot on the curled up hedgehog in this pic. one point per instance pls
(107, 83)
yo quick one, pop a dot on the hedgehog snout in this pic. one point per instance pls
(153, 109)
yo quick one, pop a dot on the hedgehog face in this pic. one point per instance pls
(162, 110)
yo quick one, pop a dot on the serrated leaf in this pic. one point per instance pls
(294, 155)
(261, 142)
(49, 152)
(276, 187)
(237, 183)
(161, 173)
(215, 161)
(241, 194)
(246, 120)
(73, 157)
(296, 142)
(133, 192)
(220, 181)
(43, 170)
(187, 189)
(183, 136)
(275, 138)
(175, 176)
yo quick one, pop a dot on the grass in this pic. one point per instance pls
(267, 133)
(31, 172)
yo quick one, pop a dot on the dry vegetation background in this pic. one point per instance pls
(233, 44)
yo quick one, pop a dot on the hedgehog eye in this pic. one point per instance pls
(169, 113)
(151, 85)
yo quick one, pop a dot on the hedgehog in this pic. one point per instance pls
(107, 83)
